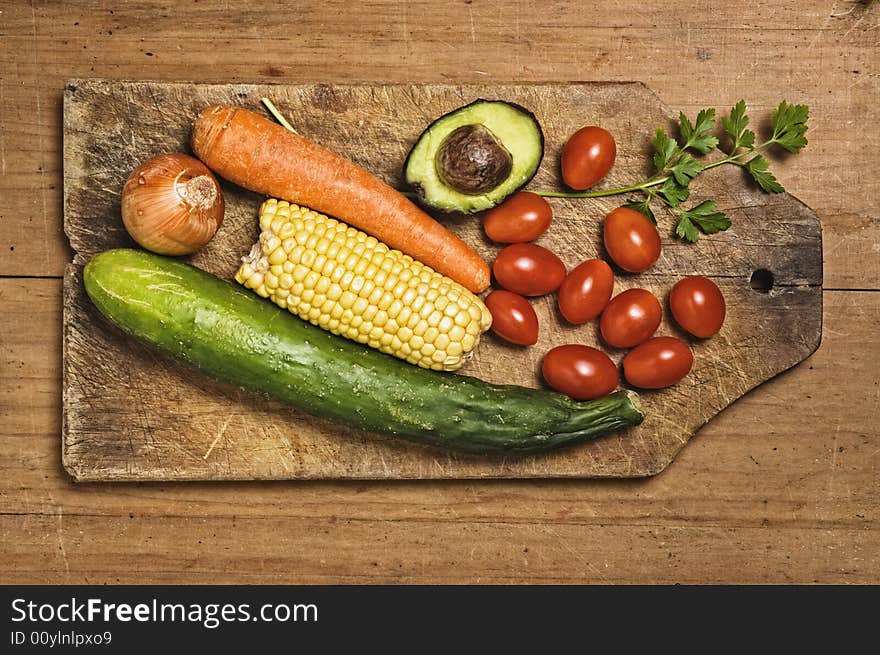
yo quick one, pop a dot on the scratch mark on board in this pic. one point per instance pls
(60, 535)
(220, 433)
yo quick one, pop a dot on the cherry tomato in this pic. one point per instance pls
(631, 240)
(581, 372)
(698, 306)
(585, 291)
(657, 363)
(522, 217)
(587, 157)
(513, 318)
(528, 270)
(630, 318)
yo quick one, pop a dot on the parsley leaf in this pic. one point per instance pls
(685, 169)
(705, 217)
(687, 230)
(735, 126)
(673, 192)
(665, 150)
(643, 208)
(696, 136)
(759, 169)
(790, 125)
(702, 218)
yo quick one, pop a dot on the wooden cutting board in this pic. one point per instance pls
(130, 414)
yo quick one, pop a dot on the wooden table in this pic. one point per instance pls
(782, 487)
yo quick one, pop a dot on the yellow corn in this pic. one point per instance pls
(347, 282)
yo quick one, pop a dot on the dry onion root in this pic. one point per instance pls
(172, 204)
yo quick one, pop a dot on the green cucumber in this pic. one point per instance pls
(236, 337)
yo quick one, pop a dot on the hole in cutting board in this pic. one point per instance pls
(761, 280)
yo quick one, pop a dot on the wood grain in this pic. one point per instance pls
(792, 494)
(131, 415)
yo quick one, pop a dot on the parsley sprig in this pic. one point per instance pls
(676, 164)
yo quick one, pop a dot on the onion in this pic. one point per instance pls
(172, 204)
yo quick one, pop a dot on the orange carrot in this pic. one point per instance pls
(262, 156)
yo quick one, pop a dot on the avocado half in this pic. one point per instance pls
(475, 157)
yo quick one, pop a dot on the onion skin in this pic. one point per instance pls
(172, 204)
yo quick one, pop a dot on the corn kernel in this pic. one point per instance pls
(347, 300)
(271, 244)
(299, 273)
(395, 309)
(285, 231)
(370, 312)
(360, 306)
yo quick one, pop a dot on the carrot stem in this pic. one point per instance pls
(277, 114)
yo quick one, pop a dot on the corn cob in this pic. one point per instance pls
(347, 282)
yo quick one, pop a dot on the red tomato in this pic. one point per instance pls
(528, 270)
(585, 291)
(657, 363)
(698, 306)
(587, 157)
(513, 318)
(522, 217)
(631, 240)
(630, 318)
(581, 372)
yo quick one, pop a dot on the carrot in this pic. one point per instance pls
(262, 156)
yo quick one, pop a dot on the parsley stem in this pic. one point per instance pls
(604, 192)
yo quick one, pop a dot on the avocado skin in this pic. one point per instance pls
(495, 199)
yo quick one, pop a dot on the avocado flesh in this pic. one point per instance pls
(514, 128)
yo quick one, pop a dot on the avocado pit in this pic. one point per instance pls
(471, 160)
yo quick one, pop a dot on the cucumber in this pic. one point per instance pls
(236, 337)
